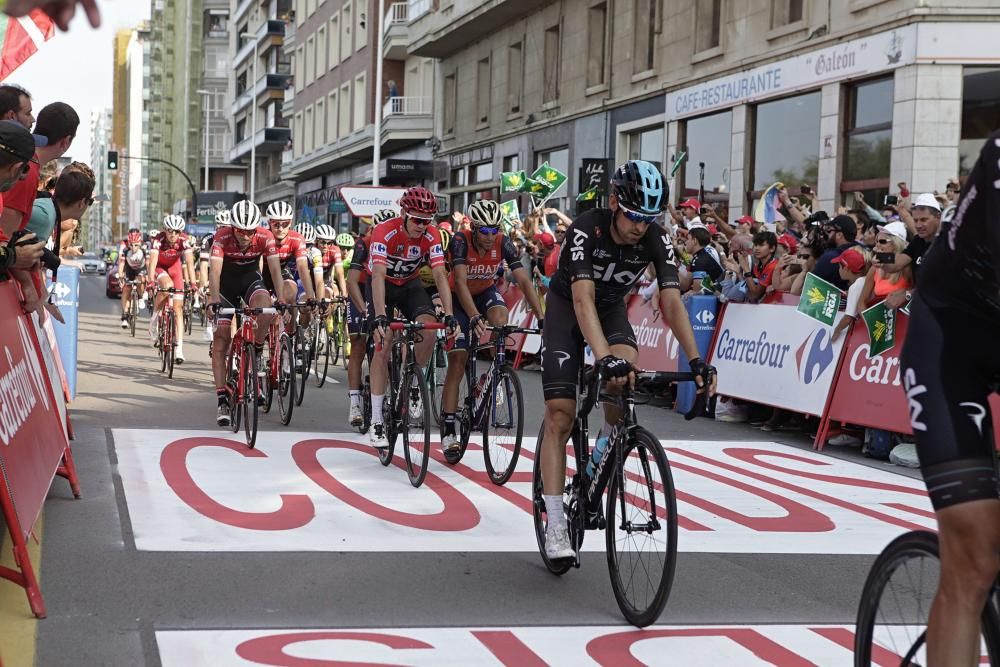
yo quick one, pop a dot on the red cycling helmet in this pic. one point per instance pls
(418, 201)
(445, 226)
(134, 237)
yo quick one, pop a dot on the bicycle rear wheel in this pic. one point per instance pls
(503, 426)
(188, 318)
(235, 389)
(416, 443)
(896, 601)
(169, 341)
(366, 397)
(336, 338)
(539, 514)
(133, 313)
(301, 353)
(642, 528)
(266, 366)
(286, 378)
(345, 344)
(250, 394)
(321, 356)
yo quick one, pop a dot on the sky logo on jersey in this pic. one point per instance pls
(814, 356)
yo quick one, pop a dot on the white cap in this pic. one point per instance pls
(928, 200)
(896, 229)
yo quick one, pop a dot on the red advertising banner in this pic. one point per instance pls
(869, 392)
(657, 345)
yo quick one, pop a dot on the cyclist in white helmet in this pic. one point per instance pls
(333, 269)
(292, 255)
(314, 257)
(222, 219)
(169, 257)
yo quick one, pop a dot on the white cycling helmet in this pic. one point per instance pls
(308, 232)
(383, 215)
(174, 222)
(280, 210)
(223, 218)
(245, 215)
(485, 213)
(326, 232)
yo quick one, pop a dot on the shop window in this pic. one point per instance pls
(706, 140)
(708, 25)
(550, 71)
(868, 137)
(597, 17)
(980, 112)
(786, 141)
(646, 144)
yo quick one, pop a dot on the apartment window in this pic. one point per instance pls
(335, 40)
(360, 103)
(483, 87)
(550, 73)
(297, 135)
(511, 162)
(241, 130)
(708, 25)
(307, 140)
(597, 21)
(300, 69)
(457, 177)
(310, 7)
(217, 24)
(868, 138)
(450, 104)
(980, 112)
(345, 32)
(321, 51)
(361, 29)
(784, 12)
(515, 77)
(300, 12)
(310, 60)
(331, 118)
(793, 124)
(344, 124)
(216, 61)
(706, 140)
(481, 173)
(644, 31)
(320, 122)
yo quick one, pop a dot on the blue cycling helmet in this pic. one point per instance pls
(639, 187)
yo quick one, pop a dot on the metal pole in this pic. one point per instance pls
(377, 148)
(253, 130)
(208, 109)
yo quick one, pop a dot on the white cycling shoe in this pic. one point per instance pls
(377, 436)
(416, 406)
(450, 444)
(557, 545)
(355, 417)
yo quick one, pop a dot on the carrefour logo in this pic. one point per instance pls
(814, 356)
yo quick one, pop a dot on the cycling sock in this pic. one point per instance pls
(554, 510)
(377, 408)
(449, 423)
(355, 395)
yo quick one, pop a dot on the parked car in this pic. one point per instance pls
(91, 263)
(112, 288)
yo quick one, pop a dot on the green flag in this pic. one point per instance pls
(512, 181)
(551, 176)
(511, 213)
(820, 299)
(881, 324)
(678, 162)
(539, 190)
(589, 195)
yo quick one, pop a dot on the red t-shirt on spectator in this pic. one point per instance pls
(551, 262)
(21, 197)
(763, 271)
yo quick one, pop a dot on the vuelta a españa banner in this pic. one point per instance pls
(770, 354)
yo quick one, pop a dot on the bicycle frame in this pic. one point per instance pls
(478, 403)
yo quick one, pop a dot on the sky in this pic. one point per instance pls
(76, 66)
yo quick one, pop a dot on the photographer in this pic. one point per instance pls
(17, 149)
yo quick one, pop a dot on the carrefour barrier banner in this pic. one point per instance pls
(770, 354)
(869, 392)
(702, 311)
(657, 345)
(66, 295)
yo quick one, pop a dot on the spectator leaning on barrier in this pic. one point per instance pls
(17, 148)
(853, 265)
(926, 220)
(883, 283)
(704, 264)
(840, 234)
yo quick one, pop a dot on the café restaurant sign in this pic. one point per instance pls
(846, 60)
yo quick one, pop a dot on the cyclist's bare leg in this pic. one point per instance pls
(559, 414)
(453, 380)
(290, 291)
(425, 347)
(126, 298)
(970, 560)
(261, 299)
(354, 362)
(611, 412)
(379, 366)
(220, 351)
(179, 318)
(165, 282)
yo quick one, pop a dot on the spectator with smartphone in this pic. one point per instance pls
(925, 216)
(881, 283)
(840, 234)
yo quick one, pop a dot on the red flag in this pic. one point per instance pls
(21, 38)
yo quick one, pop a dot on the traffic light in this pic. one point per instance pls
(113, 160)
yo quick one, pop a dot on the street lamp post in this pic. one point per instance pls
(253, 117)
(377, 148)
(207, 94)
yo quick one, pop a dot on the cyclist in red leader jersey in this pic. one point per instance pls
(477, 256)
(395, 253)
(168, 257)
(234, 277)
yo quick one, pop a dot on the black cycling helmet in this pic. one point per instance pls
(639, 187)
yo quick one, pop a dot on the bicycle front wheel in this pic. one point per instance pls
(301, 358)
(437, 370)
(896, 602)
(266, 367)
(286, 378)
(235, 386)
(169, 341)
(250, 394)
(321, 355)
(539, 514)
(416, 436)
(642, 528)
(133, 314)
(503, 426)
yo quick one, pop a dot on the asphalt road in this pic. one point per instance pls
(186, 550)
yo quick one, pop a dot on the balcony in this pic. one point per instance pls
(289, 43)
(396, 31)
(270, 33)
(272, 84)
(268, 140)
(242, 7)
(447, 31)
(418, 8)
(288, 105)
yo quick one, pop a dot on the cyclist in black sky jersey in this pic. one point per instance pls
(603, 256)
(951, 364)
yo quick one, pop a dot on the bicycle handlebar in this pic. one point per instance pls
(700, 400)
(248, 311)
(414, 326)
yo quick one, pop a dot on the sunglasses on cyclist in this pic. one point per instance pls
(420, 221)
(639, 218)
(244, 232)
(489, 231)
(280, 224)
(323, 242)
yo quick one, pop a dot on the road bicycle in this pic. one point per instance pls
(406, 387)
(339, 341)
(243, 380)
(492, 404)
(278, 366)
(133, 313)
(641, 500)
(366, 394)
(188, 309)
(166, 336)
(319, 345)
